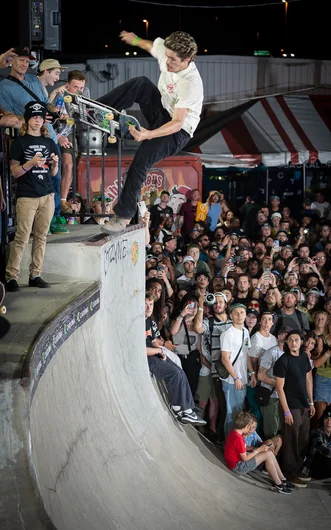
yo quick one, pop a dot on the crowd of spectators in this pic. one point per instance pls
(240, 302)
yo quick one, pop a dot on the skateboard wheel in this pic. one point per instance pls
(3, 310)
(67, 99)
(112, 139)
(70, 121)
(109, 116)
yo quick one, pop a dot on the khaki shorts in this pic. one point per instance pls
(206, 388)
(70, 150)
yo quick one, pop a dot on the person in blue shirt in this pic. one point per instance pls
(14, 97)
(214, 210)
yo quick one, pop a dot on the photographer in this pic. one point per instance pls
(209, 389)
(187, 341)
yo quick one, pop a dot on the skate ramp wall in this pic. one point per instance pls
(106, 451)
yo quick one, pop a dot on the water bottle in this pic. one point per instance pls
(59, 102)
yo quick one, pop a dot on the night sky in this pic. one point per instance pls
(86, 31)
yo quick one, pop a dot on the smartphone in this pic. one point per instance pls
(267, 273)
(306, 230)
(190, 304)
(142, 208)
(276, 245)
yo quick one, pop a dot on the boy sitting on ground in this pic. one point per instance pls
(253, 440)
(241, 462)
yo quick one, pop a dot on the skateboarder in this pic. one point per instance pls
(172, 111)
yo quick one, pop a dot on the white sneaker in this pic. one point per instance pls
(190, 417)
(115, 224)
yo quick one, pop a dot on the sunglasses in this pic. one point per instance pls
(99, 198)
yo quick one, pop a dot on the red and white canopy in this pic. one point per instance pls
(274, 131)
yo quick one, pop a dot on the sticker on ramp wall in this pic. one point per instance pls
(135, 252)
(51, 341)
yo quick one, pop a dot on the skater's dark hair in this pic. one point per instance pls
(77, 75)
(183, 44)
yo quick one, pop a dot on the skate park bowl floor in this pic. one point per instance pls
(106, 452)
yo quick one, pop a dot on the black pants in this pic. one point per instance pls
(191, 365)
(179, 391)
(142, 91)
(295, 442)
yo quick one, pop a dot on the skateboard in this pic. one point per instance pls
(3, 309)
(98, 116)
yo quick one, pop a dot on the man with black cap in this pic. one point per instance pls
(18, 90)
(33, 162)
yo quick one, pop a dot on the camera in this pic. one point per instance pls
(190, 304)
(159, 268)
(237, 259)
(306, 230)
(210, 299)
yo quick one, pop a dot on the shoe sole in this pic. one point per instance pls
(192, 422)
(302, 485)
(305, 479)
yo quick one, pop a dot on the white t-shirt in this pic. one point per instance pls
(259, 344)
(231, 341)
(268, 361)
(182, 90)
(320, 206)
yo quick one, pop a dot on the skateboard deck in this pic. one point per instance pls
(3, 309)
(98, 116)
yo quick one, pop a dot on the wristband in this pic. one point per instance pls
(236, 378)
(26, 170)
(311, 404)
(327, 355)
(255, 451)
(179, 319)
(200, 309)
(288, 413)
(258, 288)
(134, 43)
(251, 373)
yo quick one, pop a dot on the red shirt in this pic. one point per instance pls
(234, 446)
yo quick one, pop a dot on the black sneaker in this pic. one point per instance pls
(289, 485)
(281, 488)
(38, 282)
(190, 417)
(12, 286)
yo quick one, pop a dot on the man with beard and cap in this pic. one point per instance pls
(33, 163)
(211, 329)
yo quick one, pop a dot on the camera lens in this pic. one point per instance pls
(210, 299)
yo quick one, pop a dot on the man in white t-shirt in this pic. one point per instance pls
(172, 111)
(320, 204)
(233, 341)
(261, 341)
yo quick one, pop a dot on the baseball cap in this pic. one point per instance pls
(274, 197)
(314, 290)
(266, 225)
(24, 51)
(151, 256)
(252, 311)
(236, 306)
(188, 258)
(213, 246)
(168, 238)
(276, 214)
(47, 64)
(326, 413)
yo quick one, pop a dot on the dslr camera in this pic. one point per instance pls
(210, 299)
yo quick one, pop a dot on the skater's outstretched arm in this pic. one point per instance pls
(133, 40)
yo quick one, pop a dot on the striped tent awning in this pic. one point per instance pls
(273, 131)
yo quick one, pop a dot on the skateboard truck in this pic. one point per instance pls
(111, 138)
